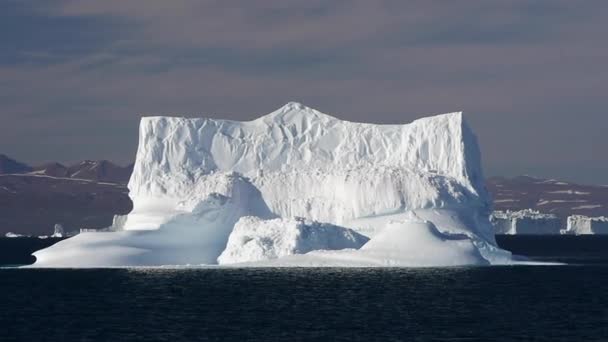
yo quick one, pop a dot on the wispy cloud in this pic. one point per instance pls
(530, 74)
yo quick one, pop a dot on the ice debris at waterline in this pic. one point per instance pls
(298, 187)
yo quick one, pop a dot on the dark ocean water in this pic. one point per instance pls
(508, 303)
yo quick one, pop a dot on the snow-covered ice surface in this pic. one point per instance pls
(410, 241)
(254, 239)
(204, 189)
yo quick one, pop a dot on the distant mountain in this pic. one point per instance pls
(9, 165)
(84, 195)
(101, 171)
(32, 204)
(52, 169)
(95, 170)
(548, 196)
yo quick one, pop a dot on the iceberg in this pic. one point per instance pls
(585, 225)
(58, 231)
(525, 222)
(300, 188)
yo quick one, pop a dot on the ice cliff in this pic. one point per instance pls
(199, 186)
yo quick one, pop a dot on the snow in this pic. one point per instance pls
(589, 206)
(194, 180)
(76, 180)
(528, 222)
(254, 239)
(581, 225)
(569, 192)
(545, 202)
(551, 181)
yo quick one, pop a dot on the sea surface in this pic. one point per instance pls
(500, 303)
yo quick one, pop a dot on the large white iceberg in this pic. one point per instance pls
(415, 190)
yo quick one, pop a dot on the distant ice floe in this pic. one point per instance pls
(525, 222)
(14, 235)
(584, 225)
(532, 222)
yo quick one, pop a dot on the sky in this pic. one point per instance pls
(530, 76)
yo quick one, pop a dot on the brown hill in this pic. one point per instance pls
(548, 196)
